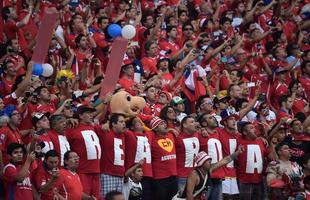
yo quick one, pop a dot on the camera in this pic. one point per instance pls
(196, 52)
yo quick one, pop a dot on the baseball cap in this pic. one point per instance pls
(82, 109)
(201, 158)
(280, 70)
(176, 100)
(225, 114)
(38, 116)
(155, 122)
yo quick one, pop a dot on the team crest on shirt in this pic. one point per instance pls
(166, 144)
(2, 137)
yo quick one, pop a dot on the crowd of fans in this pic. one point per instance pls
(226, 85)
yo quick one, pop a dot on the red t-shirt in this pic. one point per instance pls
(16, 190)
(127, 84)
(163, 156)
(85, 142)
(73, 188)
(7, 136)
(187, 147)
(149, 64)
(33, 108)
(284, 114)
(213, 147)
(169, 45)
(229, 145)
(41, 176)
(140, 148)
(277, 90)
(251, 161)
(60, 143)
(305, 82)
(299, 105)
(47, 142)
(113, 153)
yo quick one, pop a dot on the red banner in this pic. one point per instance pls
(44, 35)
(114, 66)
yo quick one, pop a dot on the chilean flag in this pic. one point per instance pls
(191, 86)
(75, 66)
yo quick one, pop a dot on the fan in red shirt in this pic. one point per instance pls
(112, 164)
(44, 104)
(170, 45)
(84, 140)
(213, 146)
(47, 177)
(140, 149)
(149, 61)
(300, 102)
(12, 29)
(305, 77)
(187, 147)
(251, 163)
(10, 133)
(8, 79)
(41, 124)
(126, 80)
(16, 174)
(229, 137)
(285, 111)
(73, 188)
(58, 136)
(163, 160)
(279, 87)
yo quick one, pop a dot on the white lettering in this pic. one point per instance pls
(232, 149)
(48, 146)
(64, 147)
(191, 150)
(143, 149)
(169, 157)
(215, 150)
(92, 145)
(118, 152)
(254, 159)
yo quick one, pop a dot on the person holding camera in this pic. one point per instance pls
(16, 174)
(47, 177)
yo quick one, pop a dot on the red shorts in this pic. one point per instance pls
(91, 184)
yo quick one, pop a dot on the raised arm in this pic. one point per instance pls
(227, 159)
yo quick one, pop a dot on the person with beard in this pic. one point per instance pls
(112, 163)
(16, 175)
(84, 44)
(47, 177)
(288, 171)
(187, 148)
(73, 188)
(251, 163)
(212, 145)
(58, 136)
